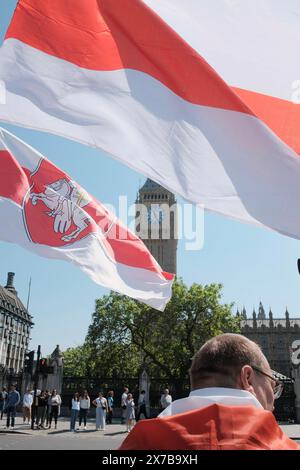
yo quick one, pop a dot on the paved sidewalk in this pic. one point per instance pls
(291, 430)
(23, 437)
(63, 426)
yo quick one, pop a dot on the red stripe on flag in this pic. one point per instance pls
(13, 181)
(109, 35)
(282, 116)
(124, 245)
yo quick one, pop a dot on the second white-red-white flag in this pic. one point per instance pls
(45, 211)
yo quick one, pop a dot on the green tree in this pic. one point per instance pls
(124, 333)
(77, 361)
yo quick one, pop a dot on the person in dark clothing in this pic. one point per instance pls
(110, 405)
(142, 406)
(3, 398)
(41, 409)
(11, 404)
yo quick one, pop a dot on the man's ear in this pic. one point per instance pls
(246, 379)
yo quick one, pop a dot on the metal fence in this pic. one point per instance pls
(285, 405)
(71, 385)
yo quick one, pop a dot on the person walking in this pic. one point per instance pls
(27, 404)
(101, 410)
(130, 412)
(85, 404)
(13, 399)
(142, 406)
(74, 411)
(124, 404)
(55, 402)
(3, 398)
(110, 406)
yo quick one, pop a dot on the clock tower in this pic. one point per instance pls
(156, 223)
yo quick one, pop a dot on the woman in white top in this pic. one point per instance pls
(74, 411)
(85, 404)
(27, 403)
(166, 399)
(55, 402)
(130, 412)
(101, 410)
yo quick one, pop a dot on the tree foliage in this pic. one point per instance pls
(77, 361)
(125, 334)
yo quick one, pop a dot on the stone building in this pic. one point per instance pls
(156, 223)
(274, 335)
(15, 327)
(53, 380)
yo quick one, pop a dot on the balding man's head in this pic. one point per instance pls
(226, 361)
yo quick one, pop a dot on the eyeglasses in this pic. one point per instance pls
(278, 388)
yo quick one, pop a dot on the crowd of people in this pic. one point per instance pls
(43, 412)
(45, 409)
(131, 412)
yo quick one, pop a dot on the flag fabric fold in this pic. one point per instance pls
(45, 211)
(191, 94)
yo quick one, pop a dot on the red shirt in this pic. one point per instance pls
(215, 427)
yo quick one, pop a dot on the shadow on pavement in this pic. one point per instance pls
(67, 431)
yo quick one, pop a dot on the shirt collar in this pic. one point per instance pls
(203, 397)
(220, 394)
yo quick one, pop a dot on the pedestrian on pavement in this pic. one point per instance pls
(55, 401)
(130, 412)
(165, 399)
(75, 411)
(101, 410)
(48, 407)
(42, 401)
(11, 404)
(124, 404)
(110, 406)
(85, 404)
(142, 406)
(3, 398)
(27, 404)
(34, 407)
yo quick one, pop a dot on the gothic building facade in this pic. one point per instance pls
(156, 223)
(274, 335)
(15, 327)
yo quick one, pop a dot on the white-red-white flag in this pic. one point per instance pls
(45, 211)
(141, 79)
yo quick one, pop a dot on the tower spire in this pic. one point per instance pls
(261, 312)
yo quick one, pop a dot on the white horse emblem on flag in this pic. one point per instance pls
(65, 200)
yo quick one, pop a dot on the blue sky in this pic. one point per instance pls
(253, 264)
